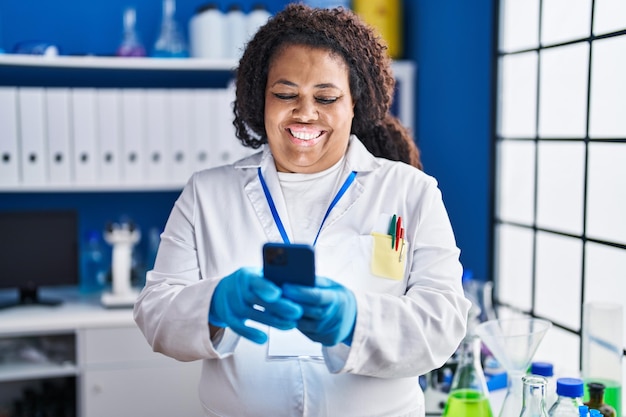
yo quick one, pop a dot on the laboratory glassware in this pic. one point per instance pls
(534, 396)
(602, 351)
(546, 370)
(596, 400)
(513, 342)
(468, 393)
(170, 43)
(569, 400)
(131, 46)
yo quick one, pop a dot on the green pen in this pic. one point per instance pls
(392, 231)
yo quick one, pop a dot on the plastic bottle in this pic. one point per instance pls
(131, 45)
(386, 17)
(236, 32)
(534, 396)
(596, 400)
(206, 32)
(94, 268)
(170, 43)
(546, 370)
(257, 17)
(327, 4)
(570, 392)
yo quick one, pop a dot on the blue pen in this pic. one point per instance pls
(392, 231)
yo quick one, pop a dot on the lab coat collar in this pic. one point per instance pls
(358, 159)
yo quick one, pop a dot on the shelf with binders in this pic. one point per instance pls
(109, 124)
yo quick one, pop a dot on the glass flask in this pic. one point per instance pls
(468, 393)
(534, 396)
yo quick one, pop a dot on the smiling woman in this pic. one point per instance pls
(335, 172)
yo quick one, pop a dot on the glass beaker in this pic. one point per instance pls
(602, 350)
(468, 393)
(534, 396)
(513, 342)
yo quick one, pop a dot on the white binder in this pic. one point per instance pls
(158, 162)
(180, 133)
(224, 139)
(203, 129)
(133, 136)
(228, 147)
(9, 156)
(85, 136)
(108, 102)
(32, 135)
(59, 157)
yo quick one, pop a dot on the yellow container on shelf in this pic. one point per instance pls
(386, 17)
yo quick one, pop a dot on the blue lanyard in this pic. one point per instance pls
(279, 222)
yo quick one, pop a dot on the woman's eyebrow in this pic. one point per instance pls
(292, 84)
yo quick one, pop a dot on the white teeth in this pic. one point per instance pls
(305, 136)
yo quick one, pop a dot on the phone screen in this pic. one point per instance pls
(293, 263)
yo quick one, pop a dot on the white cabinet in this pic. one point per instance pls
(121, 376)
(101, 352)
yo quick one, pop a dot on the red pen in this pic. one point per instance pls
(398, 229)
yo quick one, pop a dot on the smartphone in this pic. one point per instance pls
(292, 263)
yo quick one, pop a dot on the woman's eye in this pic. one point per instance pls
(284, 96)
(326, 100)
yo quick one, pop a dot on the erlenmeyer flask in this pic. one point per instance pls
(468, 393)
(513, 342)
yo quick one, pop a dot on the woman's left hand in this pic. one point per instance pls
(329, 311)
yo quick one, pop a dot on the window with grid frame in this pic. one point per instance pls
(560, 155)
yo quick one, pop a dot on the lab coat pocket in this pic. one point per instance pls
(387, 262)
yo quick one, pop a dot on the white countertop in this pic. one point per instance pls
(77, 311)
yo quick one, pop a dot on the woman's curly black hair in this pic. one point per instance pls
(370, 77)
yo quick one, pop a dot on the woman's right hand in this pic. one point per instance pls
(247, 295)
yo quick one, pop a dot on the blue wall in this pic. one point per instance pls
(451, 42)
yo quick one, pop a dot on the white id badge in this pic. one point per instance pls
(292, 344)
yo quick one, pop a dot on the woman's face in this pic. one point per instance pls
(308, 109)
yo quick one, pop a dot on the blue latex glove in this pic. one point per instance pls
(329, 311)
(237, 298)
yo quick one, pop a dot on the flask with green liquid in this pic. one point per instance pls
(468, 393)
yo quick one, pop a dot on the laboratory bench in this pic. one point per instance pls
(98, 352)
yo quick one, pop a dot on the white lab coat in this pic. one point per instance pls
(404, 327)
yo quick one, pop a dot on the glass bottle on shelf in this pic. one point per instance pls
(131, 45)
(570, 393)
(596, 399)
(534, 396)
(170, 43)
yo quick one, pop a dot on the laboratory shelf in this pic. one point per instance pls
(28, 371)
(86, 188)
(102, 62)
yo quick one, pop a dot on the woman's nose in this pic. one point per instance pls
(305, 110)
